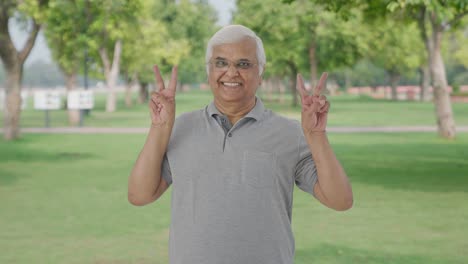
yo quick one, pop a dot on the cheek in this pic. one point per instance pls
(255, 83)
(213, 79)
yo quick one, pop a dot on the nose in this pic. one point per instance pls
(232, 70)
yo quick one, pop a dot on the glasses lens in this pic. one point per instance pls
(244, 65)
(223, 65)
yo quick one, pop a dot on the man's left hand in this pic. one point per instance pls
(314, 107)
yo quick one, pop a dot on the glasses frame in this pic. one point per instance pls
(213, 62)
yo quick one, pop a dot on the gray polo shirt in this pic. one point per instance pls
(233, 186)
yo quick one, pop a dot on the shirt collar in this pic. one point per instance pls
(256, 112)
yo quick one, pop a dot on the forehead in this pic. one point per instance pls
(243, 49)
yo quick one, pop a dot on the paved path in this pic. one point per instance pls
(142, 130)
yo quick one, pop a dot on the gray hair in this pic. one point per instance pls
(232, 34)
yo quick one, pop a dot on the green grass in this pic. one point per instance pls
(345, 111)
(63, 200)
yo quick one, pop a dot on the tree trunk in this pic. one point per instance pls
(292, 82)
(443, 105)
(111, 72)
(394, 80)
(348, 81)
(143, 93)
(128, 90)
(275, 87)
(268, 88)
(424, 82)
(128, 95)
(12, 111)
(282, 91)
(313, 65)
(13, 61)
(425, 71)
(73, 114)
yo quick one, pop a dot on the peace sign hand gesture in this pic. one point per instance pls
(314, 107)
(162, 102)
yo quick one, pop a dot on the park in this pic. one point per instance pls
(64, 170)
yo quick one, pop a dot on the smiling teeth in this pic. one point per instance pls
(231, 84)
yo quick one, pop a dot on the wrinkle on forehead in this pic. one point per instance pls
(245, 49)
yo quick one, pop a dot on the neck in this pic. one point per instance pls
(235, 111)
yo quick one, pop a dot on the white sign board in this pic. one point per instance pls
(24, 100)
(47, 100)
(83, 99)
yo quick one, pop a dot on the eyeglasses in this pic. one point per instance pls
(223, 65)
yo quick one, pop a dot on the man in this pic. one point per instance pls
(234, 163)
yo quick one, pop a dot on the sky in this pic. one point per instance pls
(41, 52)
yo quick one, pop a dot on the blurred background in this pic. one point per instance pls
(74, 86)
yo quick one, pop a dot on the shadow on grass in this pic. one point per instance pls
(32, 155)
(332, 254)
(429, 167)
(20, 152)
(7, 177)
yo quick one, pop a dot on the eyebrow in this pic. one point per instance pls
(243, 60)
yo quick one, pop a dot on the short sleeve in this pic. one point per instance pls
(166, 171)
(306, 172)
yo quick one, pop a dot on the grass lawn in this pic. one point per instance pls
(63, 200)
(345, 111)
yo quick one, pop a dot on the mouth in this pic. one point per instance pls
(231, 84)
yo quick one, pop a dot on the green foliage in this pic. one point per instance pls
(35, 9)
(169, 33)
(66, 33)
(396, 46)
(289, 30)
(73, 26)
(277, 26)
(148, 43)
(192, 22)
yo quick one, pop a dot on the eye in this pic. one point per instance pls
(244, 64)
(221, 63)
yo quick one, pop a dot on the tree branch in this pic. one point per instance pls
(8, 51)
(446, 25)
(117, 52)
(23, 54)
(105, 60)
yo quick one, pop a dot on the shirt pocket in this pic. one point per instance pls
(258, 169)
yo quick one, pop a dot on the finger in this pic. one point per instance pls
(173, 82)
(325, 108)
(159, 79)
(322, 100)
(153, 107)
(154, 97)
(321, 84)
(300, 86)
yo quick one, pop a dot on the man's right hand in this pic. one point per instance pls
(162, 102)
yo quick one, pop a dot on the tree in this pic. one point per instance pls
(109, 24)
(396, 48)
(32, 12)
(193, 21)
(149, 43)
(303, 35)
(434, 18)
(65, 33)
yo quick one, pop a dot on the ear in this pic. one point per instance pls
(261, 74)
